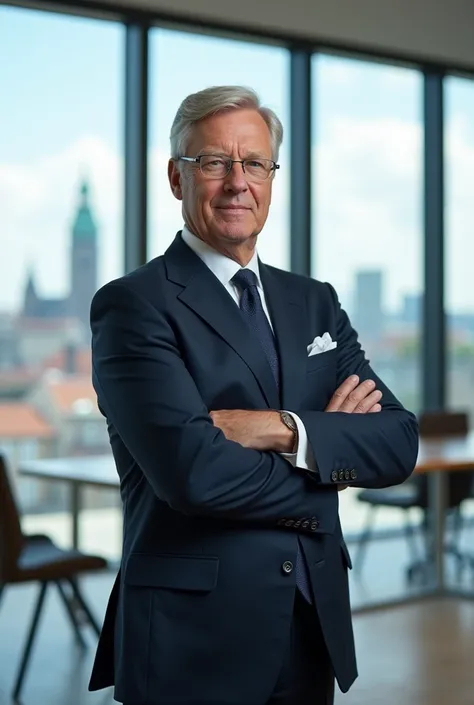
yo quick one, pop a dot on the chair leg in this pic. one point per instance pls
(364, 539)
(460, 558)
(72, 617)
(410, 536)
(29, 642)
(82, 604)
(2, 588)
(419, 564)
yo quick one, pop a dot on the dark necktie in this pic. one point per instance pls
(251, 307)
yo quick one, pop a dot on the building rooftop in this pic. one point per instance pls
(21, 420)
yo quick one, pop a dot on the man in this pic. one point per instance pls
(238, 403)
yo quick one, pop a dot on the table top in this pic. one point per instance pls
(97, 470)
(448, 454)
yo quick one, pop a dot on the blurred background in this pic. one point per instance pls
(374, 195)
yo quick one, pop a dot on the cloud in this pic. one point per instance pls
(38, 201)
(367, 198)
(459, 214)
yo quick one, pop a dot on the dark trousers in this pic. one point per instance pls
(306, 677)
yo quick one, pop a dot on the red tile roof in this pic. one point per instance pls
(20, 420)
(68, 391)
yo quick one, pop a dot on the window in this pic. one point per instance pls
(459, 293)
(367, 229)
(367, 213)
(183, 63)
(61, 201)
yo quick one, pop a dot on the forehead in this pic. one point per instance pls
(232, 131)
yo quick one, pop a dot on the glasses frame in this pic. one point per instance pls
(230, 162)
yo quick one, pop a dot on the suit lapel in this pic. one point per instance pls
(204, 294)
(287, 309)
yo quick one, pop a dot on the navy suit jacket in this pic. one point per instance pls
(201, 608)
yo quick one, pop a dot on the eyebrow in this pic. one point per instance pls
(220, 153)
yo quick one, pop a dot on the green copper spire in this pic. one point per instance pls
(84, 225)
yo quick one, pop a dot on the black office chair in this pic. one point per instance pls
(37, 559)
(414, 494)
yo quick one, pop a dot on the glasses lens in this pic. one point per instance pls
(258, 169)
(215, 167)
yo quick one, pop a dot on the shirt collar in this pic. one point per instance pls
(221, 266)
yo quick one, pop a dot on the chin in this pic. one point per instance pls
(235, 234)
(237, 230)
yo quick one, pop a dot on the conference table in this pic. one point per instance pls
(436, 458)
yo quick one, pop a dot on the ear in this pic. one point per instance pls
(174, 177)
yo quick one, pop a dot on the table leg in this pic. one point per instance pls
(437, 487)
(75, 509)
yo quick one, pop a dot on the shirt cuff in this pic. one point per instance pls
(304, 457)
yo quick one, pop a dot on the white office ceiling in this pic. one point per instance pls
(435, 30)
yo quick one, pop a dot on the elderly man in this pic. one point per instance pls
(238, 402)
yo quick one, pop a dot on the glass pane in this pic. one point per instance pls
(214, 62)
(367, 220)
(61, 238)
(459, 147)
(459, 293)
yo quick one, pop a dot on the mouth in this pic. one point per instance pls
(233, 208)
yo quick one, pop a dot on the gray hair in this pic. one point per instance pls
(217, 99)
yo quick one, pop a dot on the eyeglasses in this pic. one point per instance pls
(214, 166)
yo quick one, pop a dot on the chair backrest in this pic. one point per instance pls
(443, 423)
(11, 536)
(446, 423)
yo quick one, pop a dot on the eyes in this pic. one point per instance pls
(215, 166)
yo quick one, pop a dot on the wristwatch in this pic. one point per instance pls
(290, 423)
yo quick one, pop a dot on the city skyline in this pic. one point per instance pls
(366, 152)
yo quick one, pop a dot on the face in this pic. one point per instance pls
(227, 213)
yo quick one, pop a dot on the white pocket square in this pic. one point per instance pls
(321, 344)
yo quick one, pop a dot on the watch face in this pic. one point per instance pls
(288, 421)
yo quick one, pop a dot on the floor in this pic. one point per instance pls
(417, 655)
(413, 655)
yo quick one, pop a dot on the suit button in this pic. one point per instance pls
(297, 524)
(334, 476)
(341, 474)
(347, 475)
(353, 475)
(289, 522)
(314, 525)
(281, 522)
(287, 567)
(305, 524)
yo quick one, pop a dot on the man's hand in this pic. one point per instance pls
(260, 430)
(264, 430)
(354, 398)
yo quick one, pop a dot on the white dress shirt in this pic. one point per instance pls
(224, 269)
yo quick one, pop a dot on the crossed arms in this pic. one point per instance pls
(148, 395)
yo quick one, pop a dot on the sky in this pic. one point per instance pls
(61, 119)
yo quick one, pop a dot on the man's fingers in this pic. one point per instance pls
(366, 404)
(355, 399)
(342, 392)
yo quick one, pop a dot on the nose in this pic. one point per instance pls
(235, 180)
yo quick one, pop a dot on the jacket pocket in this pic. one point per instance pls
(175, 572)
(320, 360)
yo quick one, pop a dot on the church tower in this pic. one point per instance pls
(30, 301)
(84, 258)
